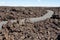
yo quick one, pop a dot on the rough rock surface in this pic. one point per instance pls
(44, 30)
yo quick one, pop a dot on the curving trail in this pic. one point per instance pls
(32, 20)
(46, 16)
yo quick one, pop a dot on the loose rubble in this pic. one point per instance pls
(48, 29)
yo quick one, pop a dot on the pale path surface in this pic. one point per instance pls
(32, 20)
(46, 16)
(5, 22)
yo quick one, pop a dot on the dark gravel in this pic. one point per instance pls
(44, 30)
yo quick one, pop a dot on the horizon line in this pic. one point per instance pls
(29, 6)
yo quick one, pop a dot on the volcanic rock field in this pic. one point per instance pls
(48, 29)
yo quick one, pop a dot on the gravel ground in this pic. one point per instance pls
(48, 29)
